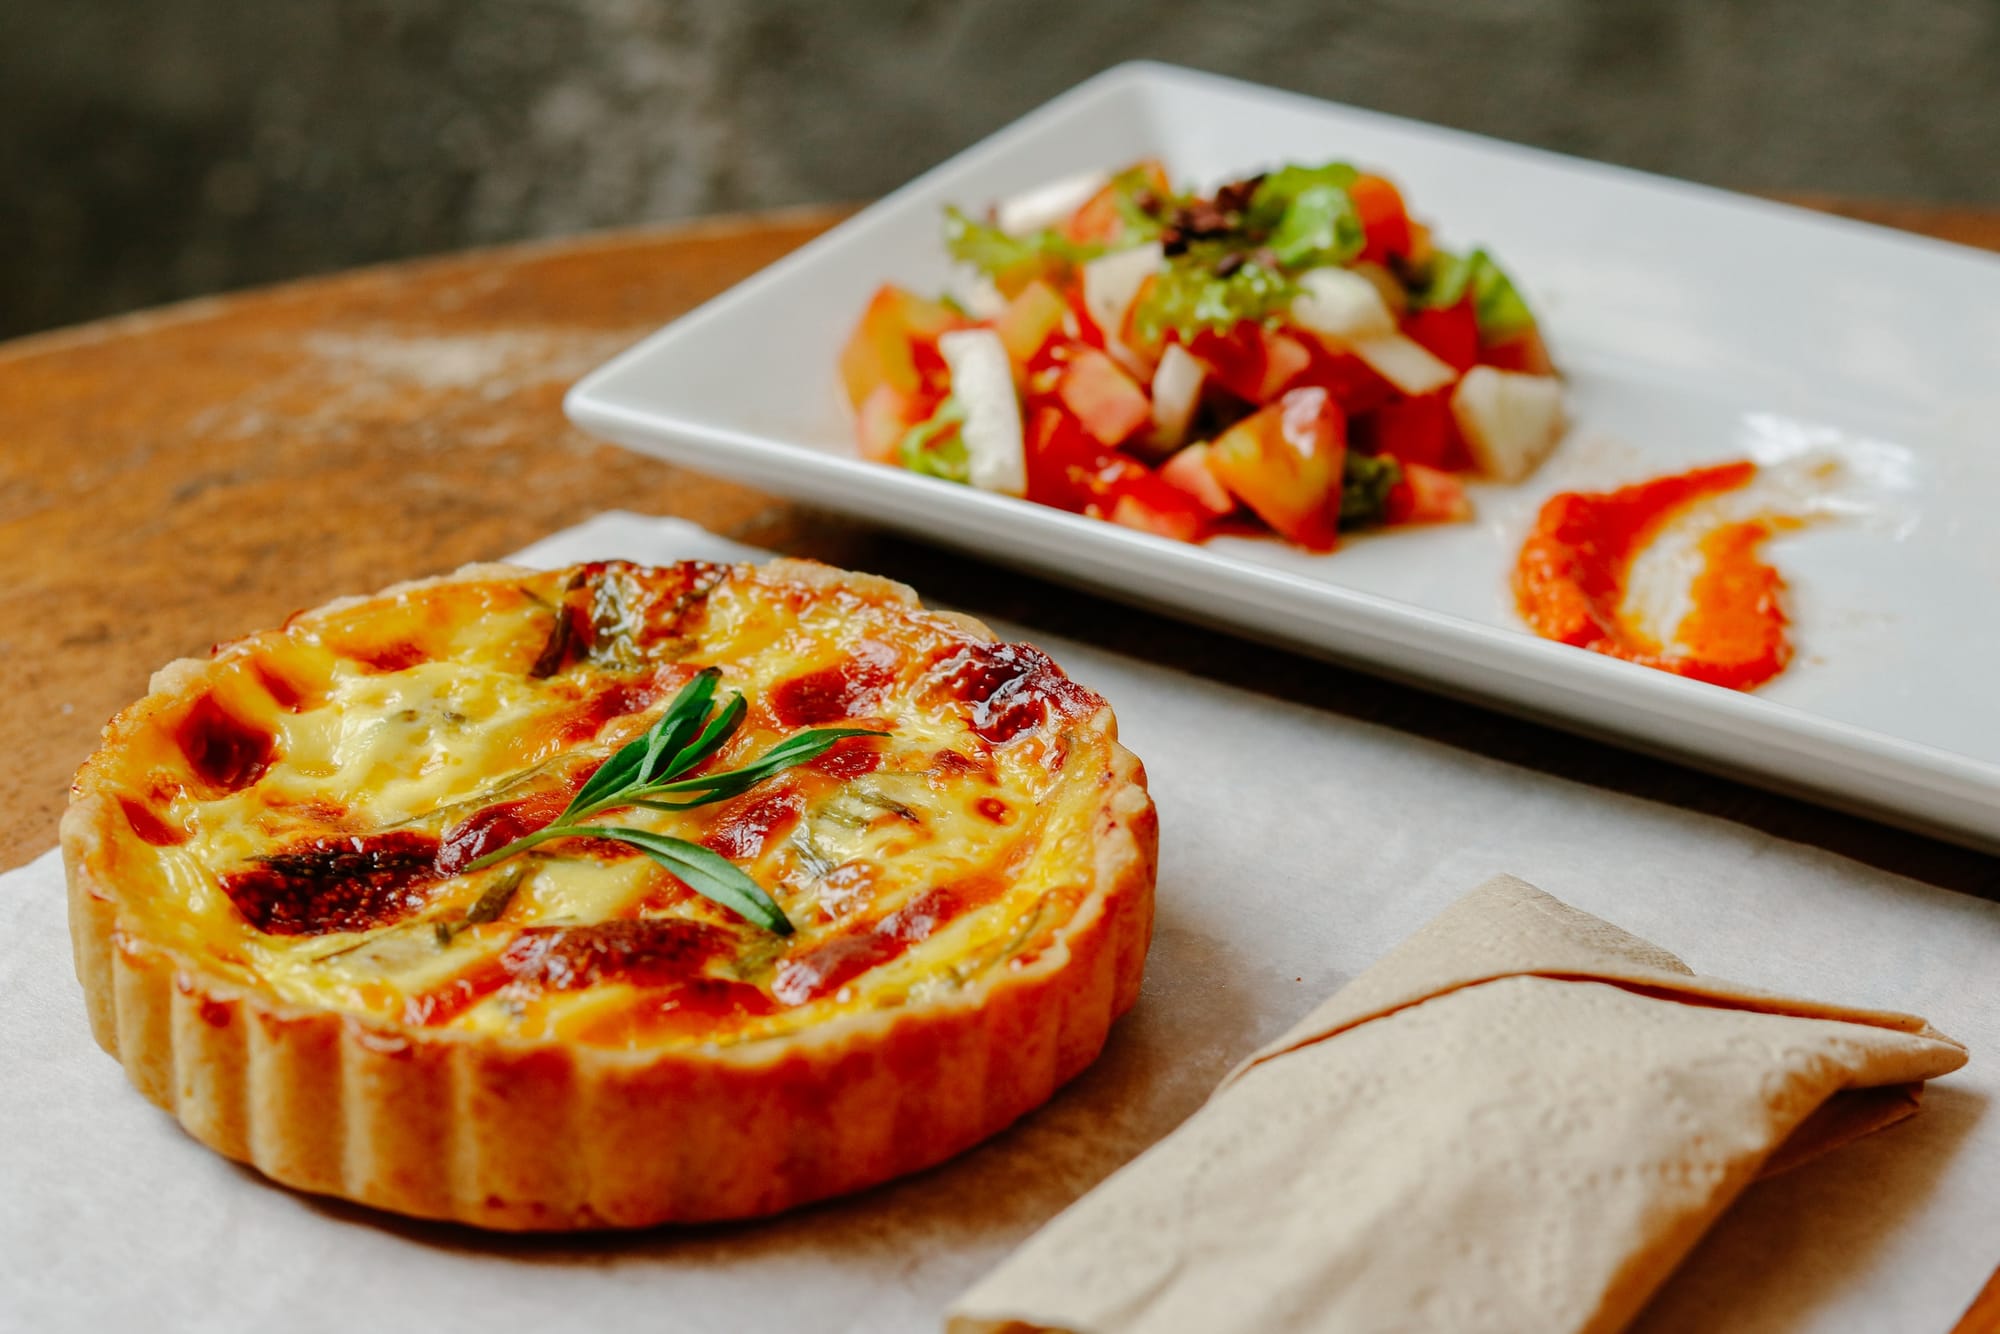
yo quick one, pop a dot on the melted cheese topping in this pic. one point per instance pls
(298, 822)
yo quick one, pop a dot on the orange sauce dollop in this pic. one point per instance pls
(1572, 575)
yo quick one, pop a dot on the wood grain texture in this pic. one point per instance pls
(187, 475)
(184, 476)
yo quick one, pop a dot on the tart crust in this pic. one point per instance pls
(513, 1133)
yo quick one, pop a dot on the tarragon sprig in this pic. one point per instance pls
(650, 772)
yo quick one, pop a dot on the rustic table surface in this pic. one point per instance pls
(183, 476)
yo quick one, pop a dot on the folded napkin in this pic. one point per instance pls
(1520, 1119)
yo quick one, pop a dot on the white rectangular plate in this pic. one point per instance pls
(1695, 326)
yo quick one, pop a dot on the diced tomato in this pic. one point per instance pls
(1028, 322)
(1188, 469)
(1070, 470)
(1352, 382)
(1285, 463)
(1450, 334)
(1151, 505)
(886, 416)
(1098, 219)
(1250, 361)
(1234, 360)
(895, 343)
(1285, 358)
(1524, 352)
(1417, 430)
(1426, 495)
(1104, 399)
(1059, 457)
(1385, 223)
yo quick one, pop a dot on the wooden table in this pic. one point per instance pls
(182, 476)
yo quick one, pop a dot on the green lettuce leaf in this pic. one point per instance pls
(1011, 259)
(1275, 193)
(1188, 296)
(1496, 303)
(1139, 225)
(1307, 215)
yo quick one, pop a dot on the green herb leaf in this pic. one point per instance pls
(667, 736)
(650, 768)
(936, 448)
(487, 908)
(793, 750)
(707, 873)
(1365, 483)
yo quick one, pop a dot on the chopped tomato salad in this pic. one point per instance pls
(1290, 354)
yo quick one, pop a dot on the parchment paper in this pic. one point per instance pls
(1296, 848)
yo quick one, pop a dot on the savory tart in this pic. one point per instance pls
(609, 896)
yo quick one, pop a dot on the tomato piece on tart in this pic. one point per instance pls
(411, 901)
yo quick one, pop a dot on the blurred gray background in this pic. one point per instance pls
(154, 149)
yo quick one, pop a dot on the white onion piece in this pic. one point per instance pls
(1176, 394)
(1047, 204)
(1341, 304)
(1510, 421)
(1403, 362)
(982, 380)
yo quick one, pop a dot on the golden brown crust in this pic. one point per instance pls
(530, 1134)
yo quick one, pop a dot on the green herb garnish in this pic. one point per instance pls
(648, 773)
(487, 908)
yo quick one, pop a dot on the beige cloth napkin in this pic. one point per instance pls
(1519, 1120)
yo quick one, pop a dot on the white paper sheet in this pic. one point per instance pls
(1296, 848)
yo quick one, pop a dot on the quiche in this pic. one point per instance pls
(326, 910)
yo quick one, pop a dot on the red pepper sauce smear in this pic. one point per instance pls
(1572, 574)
